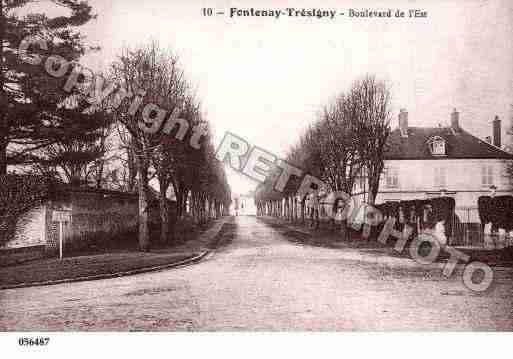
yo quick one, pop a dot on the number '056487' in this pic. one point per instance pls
(33, 341)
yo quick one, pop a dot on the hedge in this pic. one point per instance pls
(442, 209)
(497, 210)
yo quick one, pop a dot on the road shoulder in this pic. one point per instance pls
(110, 265)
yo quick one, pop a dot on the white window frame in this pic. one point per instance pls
(487, 175)
(392, 177)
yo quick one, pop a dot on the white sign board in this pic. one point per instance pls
(61, 216)
(170, 193)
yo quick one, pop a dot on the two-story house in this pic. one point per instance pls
(425, 162)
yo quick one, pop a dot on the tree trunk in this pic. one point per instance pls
(3, 157)
(132, 169)
(178, 195)
(183, 204)
(180, 200)
(373, 183)
(343, 230)
(192, 206)
(3, 98)
(302, 212)
(164, 214)
(144, 233)
(99, 174)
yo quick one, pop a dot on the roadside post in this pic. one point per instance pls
(61, 217)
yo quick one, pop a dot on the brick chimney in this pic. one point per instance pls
(403, 122)
(455, 120)
(497, 132)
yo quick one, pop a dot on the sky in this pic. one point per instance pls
(264, 79)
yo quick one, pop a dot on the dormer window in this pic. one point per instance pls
(437, 146)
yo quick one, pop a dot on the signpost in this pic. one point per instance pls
(61, 217)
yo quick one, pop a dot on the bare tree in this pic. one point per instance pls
(368, 104)
(348, 137)
(149, 73)
(174, 93)
(338, 137)
(126, 158)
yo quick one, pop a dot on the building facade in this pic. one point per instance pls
(426, 162)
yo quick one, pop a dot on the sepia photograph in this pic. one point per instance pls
(185, 169)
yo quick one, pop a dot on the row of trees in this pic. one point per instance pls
(178, 154)
(344, 146)
(76, 135)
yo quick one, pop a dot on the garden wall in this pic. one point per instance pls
(95, 216)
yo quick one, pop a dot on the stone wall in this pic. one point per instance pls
(29, 230)
(96, 215)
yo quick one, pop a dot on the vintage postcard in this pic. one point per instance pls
(254, 166)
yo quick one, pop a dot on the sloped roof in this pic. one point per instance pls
(460, 144)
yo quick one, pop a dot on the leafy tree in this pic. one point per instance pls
(29, 97)
(79, 153)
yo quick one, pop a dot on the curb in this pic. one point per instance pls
(188, 261)
(356, 254)
(385, 258)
